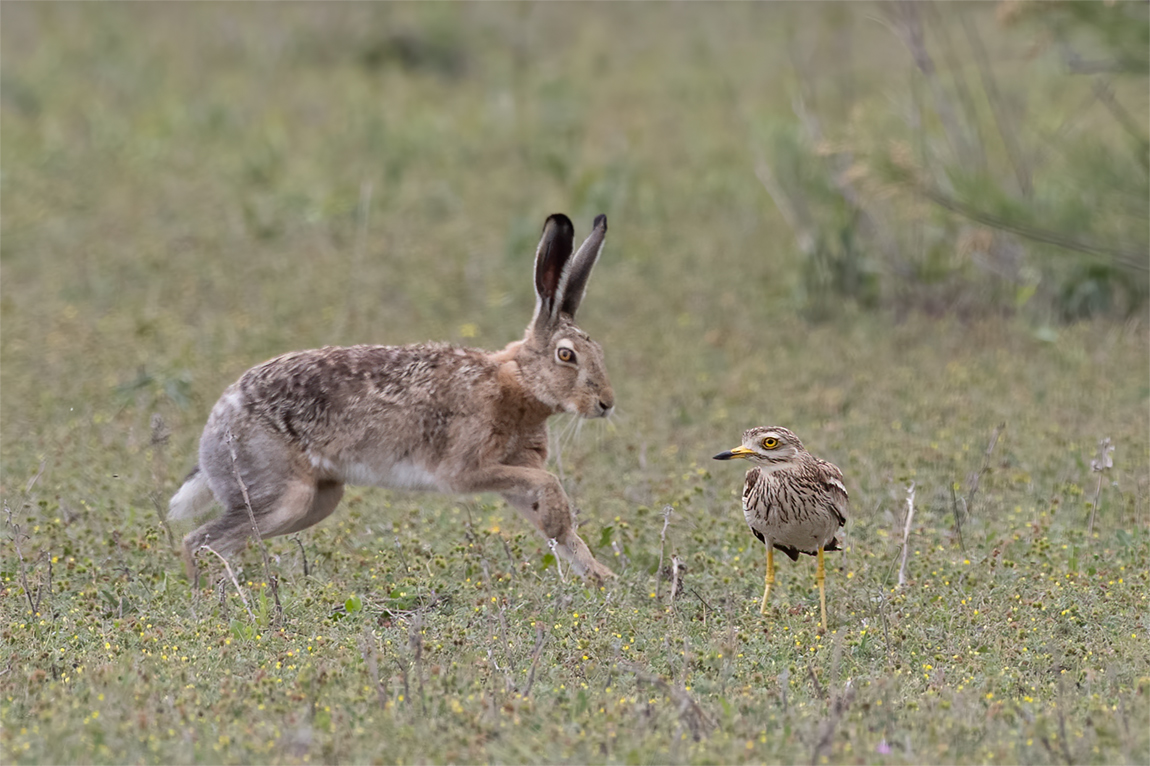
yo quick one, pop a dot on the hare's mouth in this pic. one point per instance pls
(588, 411)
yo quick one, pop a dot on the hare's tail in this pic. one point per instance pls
(193, 498)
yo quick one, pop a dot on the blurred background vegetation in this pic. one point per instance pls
(277, 177)
(890, 226)
(998, 167)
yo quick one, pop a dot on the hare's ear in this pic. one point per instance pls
(579, 269)
(550, 266)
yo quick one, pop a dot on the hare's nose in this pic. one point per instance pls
(606, 403)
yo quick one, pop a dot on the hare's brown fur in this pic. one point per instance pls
(298, 428)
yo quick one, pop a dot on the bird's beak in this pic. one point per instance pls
(736, 452)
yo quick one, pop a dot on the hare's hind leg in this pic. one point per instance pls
(259, 475)
(323, 504)
(279, 513)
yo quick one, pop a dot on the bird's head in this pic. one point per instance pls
(771, 447)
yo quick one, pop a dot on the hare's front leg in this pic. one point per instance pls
(539, 496)
(549, 509)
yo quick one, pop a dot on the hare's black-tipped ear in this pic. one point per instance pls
(550, 265)
(579, 269)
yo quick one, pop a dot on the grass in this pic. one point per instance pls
(189, 190)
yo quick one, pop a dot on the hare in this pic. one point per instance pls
(430, 416)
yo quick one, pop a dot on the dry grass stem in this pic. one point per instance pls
(272, 580)
(302, 553)
(677, 568)
(689, 711)
(1100, 465)
(232, 577)
(535, 653)
(906, 534)
(975, 479)
(662, 551)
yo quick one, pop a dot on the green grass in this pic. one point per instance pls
(189, 190)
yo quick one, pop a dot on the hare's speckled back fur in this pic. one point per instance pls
(428, 416)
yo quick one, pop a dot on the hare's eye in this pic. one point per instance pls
(564, 354)
(770, 442)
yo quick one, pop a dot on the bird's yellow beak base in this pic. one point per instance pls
(734, 453)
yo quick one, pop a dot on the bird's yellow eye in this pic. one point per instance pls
(565, 354)
(770, 442)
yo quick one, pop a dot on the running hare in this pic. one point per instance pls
(428, 416)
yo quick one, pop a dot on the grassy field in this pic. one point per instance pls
(191, 189)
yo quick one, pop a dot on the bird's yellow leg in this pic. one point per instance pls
(770, 579)
(821, 576)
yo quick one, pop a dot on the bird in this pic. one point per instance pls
(792, 501)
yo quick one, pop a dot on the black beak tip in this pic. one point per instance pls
(723, 456)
